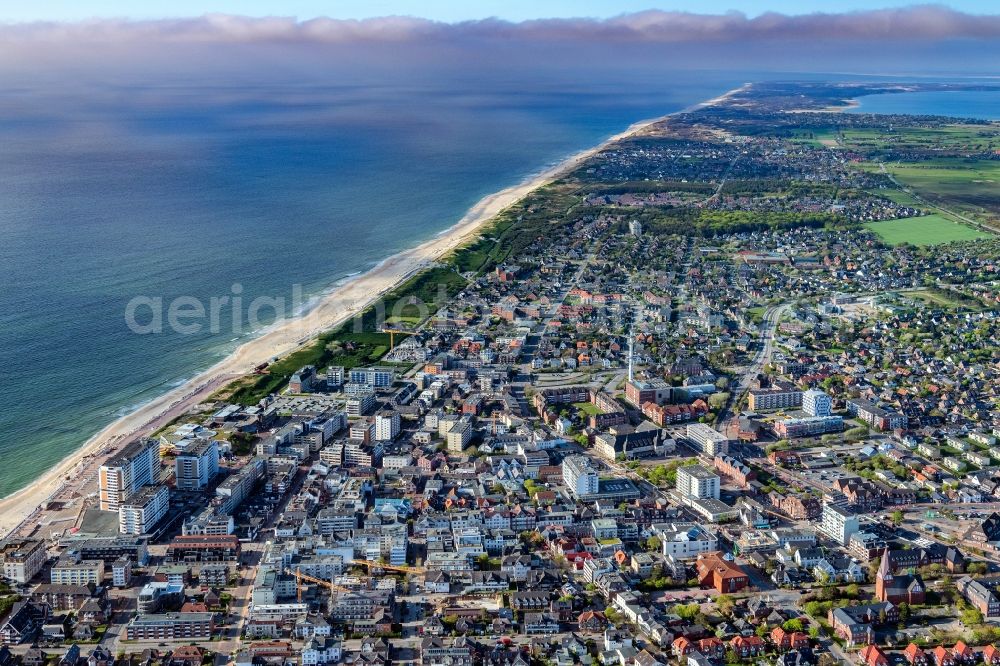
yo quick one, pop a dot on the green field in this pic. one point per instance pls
(588, 408)
(925, 230)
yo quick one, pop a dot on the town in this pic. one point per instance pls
(691, 404)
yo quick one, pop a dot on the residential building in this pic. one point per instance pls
(697, 482)
(783, 396)
(143, 510)
(875, 416)
(710, 441)
(71, 570)
(170, 627)
(197, 465)
(838, 523)
(387, 424)
(22, 559)
(136, 465)
(817, 403)
(580, 476)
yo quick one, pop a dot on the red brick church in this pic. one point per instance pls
(897, 588)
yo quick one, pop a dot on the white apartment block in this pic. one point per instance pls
(580, 476)
(121, 572)
(143, 510)
(817, 403)
(711, 441)
(697, 482)
(22, 559)
(838, 523)
(459, 435)
(196, 466)
(136, 465)
(386, 425)
(74, 571)
(683, 541)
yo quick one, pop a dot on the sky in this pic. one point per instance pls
(437, 10)
(355, 41)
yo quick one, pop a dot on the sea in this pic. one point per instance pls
(977, 104)
(122, 204)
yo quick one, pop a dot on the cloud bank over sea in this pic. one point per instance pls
(917, 23)
(912, 40)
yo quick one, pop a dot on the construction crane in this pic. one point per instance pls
(299, 577)
(391, 567)
(392, 334)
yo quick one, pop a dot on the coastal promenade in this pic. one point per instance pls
(58, 496)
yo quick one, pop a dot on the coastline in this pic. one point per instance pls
(73, 477)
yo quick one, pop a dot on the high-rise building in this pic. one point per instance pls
(838, 523)
(143, 510)
(579, 474)
(197, 465)
(816, 403)
(697, 482)
(386, 425)
(135, 466)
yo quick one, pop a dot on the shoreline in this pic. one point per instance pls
(72, 479)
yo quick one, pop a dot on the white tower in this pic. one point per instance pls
(631, 346)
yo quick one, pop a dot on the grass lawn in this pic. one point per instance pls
(924, 230)
(588, 408)
(932, 298)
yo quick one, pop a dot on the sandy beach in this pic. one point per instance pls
(75, 475)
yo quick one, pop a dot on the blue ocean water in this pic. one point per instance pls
(116, 191)
(979, 104)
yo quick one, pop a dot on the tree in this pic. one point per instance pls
(978, 568)
(688, 611)
(904, 612)
(897, 517)
(725, 604)
(718, 400)
(762, 630)
(795, 624)
(971, 617)
(653, 544)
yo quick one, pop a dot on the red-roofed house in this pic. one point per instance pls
(915, 655)
(681, 646)
(941, 656)
(991, 655)
(748, 646)
(872, 655)
(963, 653)
(788, 640)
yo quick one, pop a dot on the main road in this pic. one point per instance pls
(739, 388)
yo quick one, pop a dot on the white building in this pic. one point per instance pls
(374, 377)
(711, 441)
(386, 425)
(136, 465)
(196, 466)
(817, 403)
(121, 572)
(71, 570)
(635, 228)
(22, 559)
(143, 510)
(684, 540)
(697, 482)
(838, 523)
(458, 435)
(580, 476)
